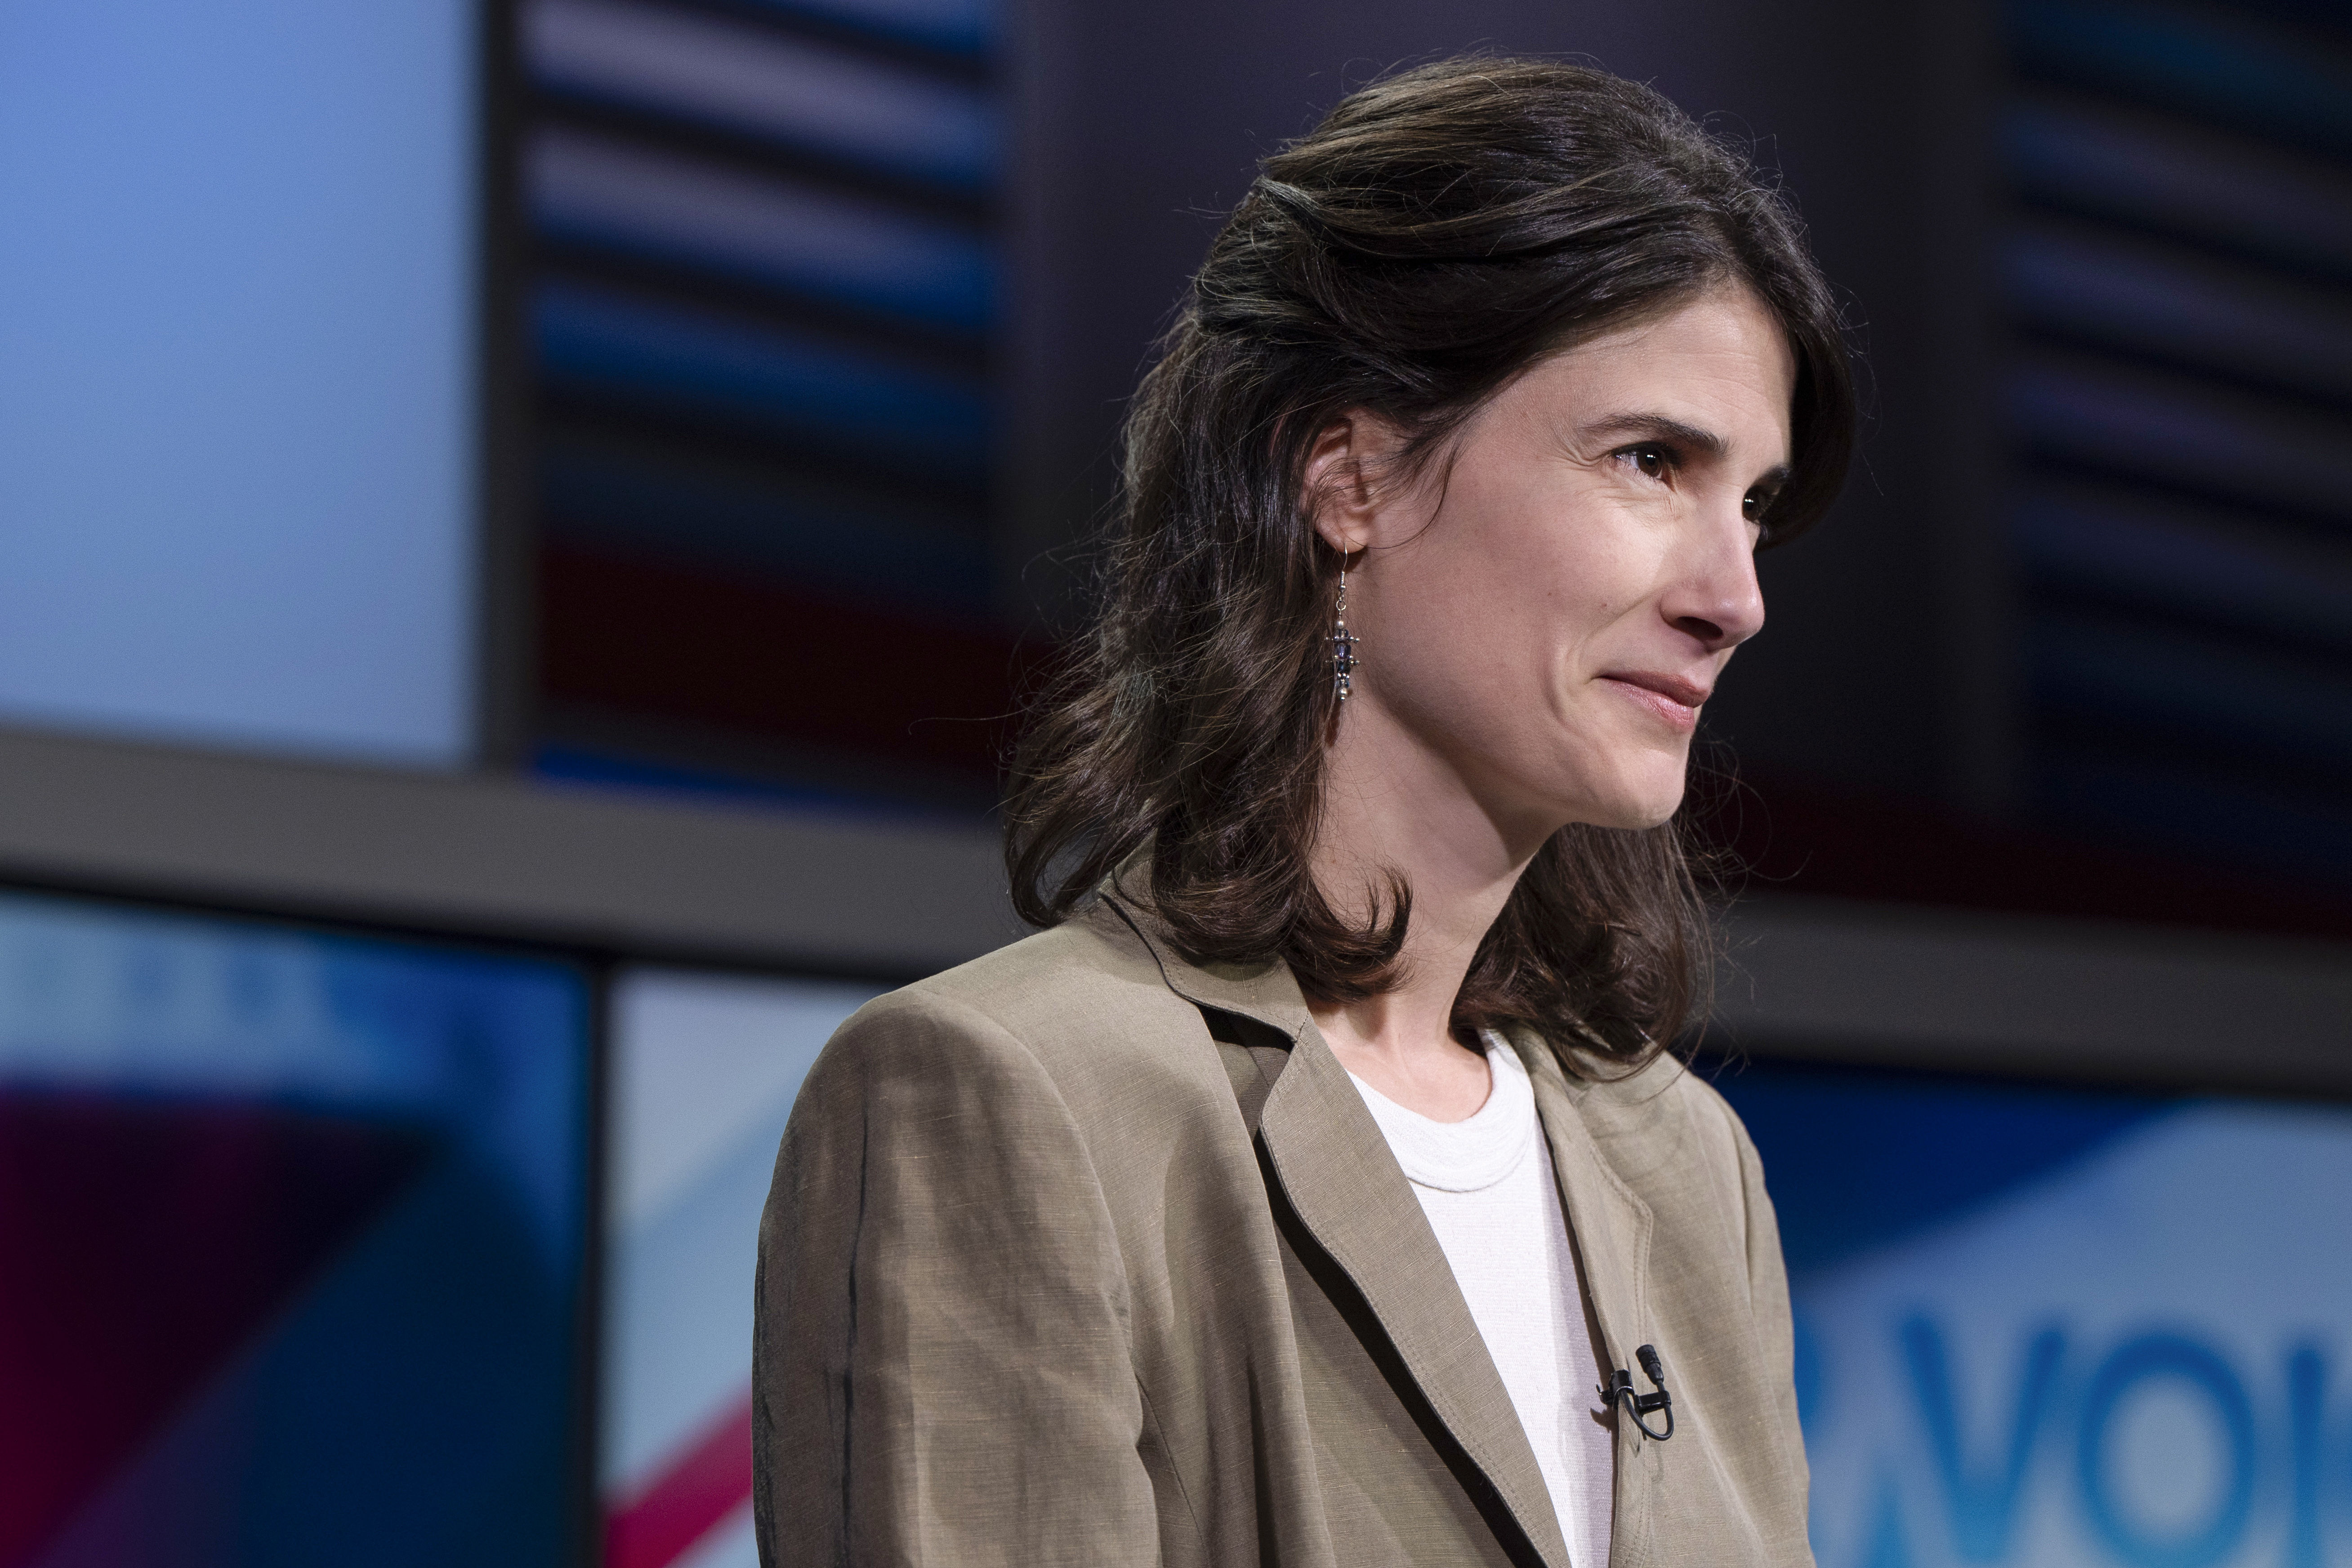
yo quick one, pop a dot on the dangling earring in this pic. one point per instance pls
(1344, 642)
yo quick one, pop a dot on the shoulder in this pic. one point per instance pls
(1090, 967)
(1077, 1012)
(1665, 1095)
(1668, 1133)
(1089, 986)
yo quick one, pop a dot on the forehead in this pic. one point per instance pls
(1721, 362)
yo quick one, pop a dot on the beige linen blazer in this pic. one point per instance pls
(1081, 1254)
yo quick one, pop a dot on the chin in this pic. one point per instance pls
(1636, 807)
(1631, 789)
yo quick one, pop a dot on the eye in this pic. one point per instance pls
(1757, 505)
(1655, 461)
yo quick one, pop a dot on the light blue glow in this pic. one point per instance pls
(236, 372)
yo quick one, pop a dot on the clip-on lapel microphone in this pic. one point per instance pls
(1620, 1390)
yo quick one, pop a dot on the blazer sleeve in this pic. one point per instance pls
(1768, 1293)
(942, 1369)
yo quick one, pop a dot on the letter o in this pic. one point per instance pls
(2136, 1361)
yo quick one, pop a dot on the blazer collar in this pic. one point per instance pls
(1345, 1187)
(1265, 991)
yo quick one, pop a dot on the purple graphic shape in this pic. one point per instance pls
(142, 1241)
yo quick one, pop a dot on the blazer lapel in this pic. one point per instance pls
(1345, 1186)
(1611, 1226)
(1612, 1229)
(1347, 1189)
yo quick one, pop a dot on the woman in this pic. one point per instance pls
(1315, 1189)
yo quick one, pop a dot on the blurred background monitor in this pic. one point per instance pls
(240, 344)
(2048, 1326)
(292, 1240)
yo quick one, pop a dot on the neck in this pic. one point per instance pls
(1391, 805)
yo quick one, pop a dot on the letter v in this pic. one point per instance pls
(1982, 1500)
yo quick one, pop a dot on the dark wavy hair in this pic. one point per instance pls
(1439, 233)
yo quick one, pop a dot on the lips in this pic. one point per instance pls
(1670, 698)
(1690, 694)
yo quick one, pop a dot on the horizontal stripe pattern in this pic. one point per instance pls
(2178, 402)
(766, 286)
(794, 91)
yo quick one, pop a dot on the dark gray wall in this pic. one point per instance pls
(713, 883)
(1141, 124)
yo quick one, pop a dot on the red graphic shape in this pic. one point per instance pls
(702, 1486)
(142, 1243)
(646, 637)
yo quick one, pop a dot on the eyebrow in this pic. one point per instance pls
(1661, 428)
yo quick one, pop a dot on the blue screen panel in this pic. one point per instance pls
(2043, 1327)
(292, 1239)
(237, 348)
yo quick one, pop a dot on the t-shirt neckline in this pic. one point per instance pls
(1476, 1152)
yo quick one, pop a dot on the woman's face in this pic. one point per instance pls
(1543, 615)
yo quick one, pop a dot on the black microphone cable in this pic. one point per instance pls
(1620, 1390)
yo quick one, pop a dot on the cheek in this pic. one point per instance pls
(1507, 632)
(1483, 597)
(1509, 598)
(1557, 592)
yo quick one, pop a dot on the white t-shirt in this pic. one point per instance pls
(1487, 1185)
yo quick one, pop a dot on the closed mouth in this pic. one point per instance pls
(1673, 688)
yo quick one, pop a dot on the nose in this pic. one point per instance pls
(1714, 597)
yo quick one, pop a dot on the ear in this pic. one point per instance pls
(1336, 484)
